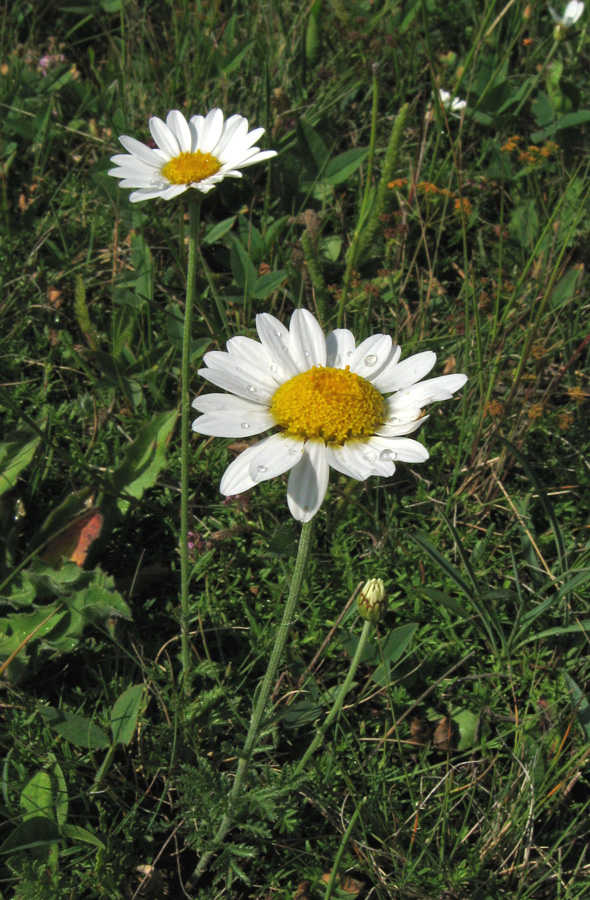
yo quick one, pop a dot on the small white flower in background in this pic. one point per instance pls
(327, 398)
(451, 103)
(572, 13)
(195, 154)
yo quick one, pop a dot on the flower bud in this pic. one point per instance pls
(372, 600)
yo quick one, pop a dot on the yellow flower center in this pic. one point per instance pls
(187, 168)
(333, 404)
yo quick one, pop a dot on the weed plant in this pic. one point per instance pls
(458, 767)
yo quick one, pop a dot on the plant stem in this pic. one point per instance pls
(263, 698)
(191, 289)
(352, 250)
(335, 711)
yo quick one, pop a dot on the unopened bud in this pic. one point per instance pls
(372, 600)
(527, 12)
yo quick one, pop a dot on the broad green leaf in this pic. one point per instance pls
(245, 275)
(124, 714)
(565, 288)
(234, 59)
(393, 648)
(36, 832)
(14, 457)
(37, 796)
(218, 231)
(312, 148)
(81, 835)
(80, 731)
(267, 284)
(144, 459)
(343, 166)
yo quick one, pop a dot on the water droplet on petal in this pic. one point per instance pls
(306, 353)
(387, 455)
(279, 333)
(337, 360)
(370, 457)
(349, 352)
(370, 360)
(293, 452)
(274, 368)
(393, 420)
(262, 469)
(251, 389)
(245, 426)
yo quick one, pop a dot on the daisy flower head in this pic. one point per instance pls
(330, 403)
(195, 154)
(573, 11)
(453, 104)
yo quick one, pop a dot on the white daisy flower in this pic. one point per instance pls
(326, 399)
(195, 154)
(572, 13)
(451, 103)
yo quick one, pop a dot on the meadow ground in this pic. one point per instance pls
(454, 762)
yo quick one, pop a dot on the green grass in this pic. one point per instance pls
(478, 253)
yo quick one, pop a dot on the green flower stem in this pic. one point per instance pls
(263, 697)
(185, 407)
(335, 711)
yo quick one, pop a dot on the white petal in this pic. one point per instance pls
(229, 416)
(408, 372)
(400, 448)
(308, 482)
(419, 395)
(346, 460)
(405, 424)
(259, 157)
(386, 373)
(276, 456)
(340, 346)
(277, 342)
(179, 128)
(222, 374)
(131, 164)
(233, 133)
(307, 340)
(140, 151)
(371, 356)
(164, 137)
(211, 131)
(236, 477)
(367, 458)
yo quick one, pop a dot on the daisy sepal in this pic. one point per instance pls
(308, 481)
(264, 460)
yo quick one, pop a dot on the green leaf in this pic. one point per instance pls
(568, 121)
(36, 832)
(234, 59)
(82, 835)
(218, 231)
(565, 288)
(76, 729)
(144, 459)
(393, 648)
(37, 796)
(342, 167)
(312, 149)
(245, 275)
(268, 284)
(581, 705)
(124, 714)
(14, 457)
(467, 723)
